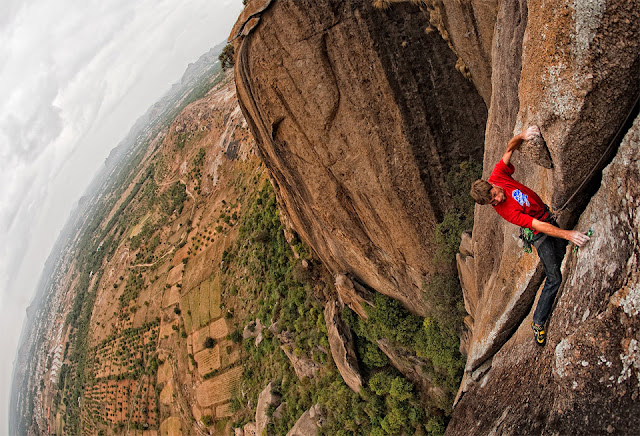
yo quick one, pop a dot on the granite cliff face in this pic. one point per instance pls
(575, 74)
(359, 113)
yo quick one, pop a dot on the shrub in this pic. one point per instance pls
(209, 342)
(236, 336)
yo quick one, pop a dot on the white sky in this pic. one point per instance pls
(74, 77)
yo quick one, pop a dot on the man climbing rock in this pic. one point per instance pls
(523, 207)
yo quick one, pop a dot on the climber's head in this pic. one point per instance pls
(484, 192)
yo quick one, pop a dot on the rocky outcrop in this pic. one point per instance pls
(353, 295)
(279, 412)
(415, 370)
(359, 114)
(587, 378)
(302, 365)
(253, 330)
(266, 399)
(309, 423)
(249, 429)
(468, 27)
(342, 346)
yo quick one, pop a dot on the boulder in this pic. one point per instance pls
(342, 346)
(414, 369)
(266, 399)
(253, 330)
(279, 412)
(249, 429)
(309, 423)
(302, 365)
(359, 114)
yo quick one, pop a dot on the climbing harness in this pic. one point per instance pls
(526, 235)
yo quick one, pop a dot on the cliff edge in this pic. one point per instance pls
(359, 113)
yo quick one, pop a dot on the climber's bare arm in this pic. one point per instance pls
(516, 141)
(574, 236)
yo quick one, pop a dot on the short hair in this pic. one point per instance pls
(481, 191)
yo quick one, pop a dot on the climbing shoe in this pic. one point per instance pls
(539, 333)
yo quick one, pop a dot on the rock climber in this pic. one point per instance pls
(521, 206)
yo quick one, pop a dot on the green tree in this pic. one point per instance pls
(227, 57)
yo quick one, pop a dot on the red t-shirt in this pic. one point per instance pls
(522, 204)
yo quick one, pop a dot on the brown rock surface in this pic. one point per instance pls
(302, 365)
(266, 399)
(414, 369)
(248, 17)
(506, 278)
(586, 380)
(249, 429)
(308, 424)
(359, 114)
(353, 295)
(469, 27)
(342, 347)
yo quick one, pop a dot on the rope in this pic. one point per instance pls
(595, 167)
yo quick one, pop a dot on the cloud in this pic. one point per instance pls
(74, 77)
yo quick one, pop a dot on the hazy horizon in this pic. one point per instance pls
(76, 77)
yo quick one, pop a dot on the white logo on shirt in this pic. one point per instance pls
(521, 198)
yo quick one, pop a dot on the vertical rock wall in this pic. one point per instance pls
(572, 68)
(578, 117)
(586, 380)
(359, 114)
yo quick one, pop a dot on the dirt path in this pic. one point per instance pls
(140, 265)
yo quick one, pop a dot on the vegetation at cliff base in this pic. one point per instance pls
(262, 271)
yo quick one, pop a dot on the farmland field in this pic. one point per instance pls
(201, 304)
(219, 389)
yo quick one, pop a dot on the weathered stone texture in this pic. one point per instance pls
(586, 380)
(303, 366)
(359, 114)
(353, 295)
(469, 27)
(266, 399)
(414, 369)
(541, 68)
(342, 346)
(308, 424)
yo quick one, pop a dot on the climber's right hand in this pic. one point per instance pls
(578, 238)
(531, 133)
